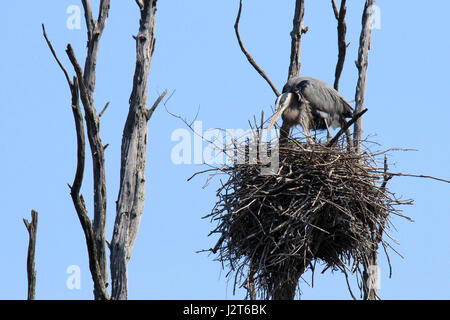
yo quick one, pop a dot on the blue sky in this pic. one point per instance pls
(198, 56)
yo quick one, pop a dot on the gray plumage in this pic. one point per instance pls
(311, 103)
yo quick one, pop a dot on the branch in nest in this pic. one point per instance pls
(345, 127)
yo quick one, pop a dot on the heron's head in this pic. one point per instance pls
(282, 102)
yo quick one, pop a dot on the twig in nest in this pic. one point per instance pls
(345, 127)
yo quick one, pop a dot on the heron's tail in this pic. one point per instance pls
(348, 110)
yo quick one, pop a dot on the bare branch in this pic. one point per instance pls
(95, 30)
(79, 128)
(248, 56)
(296, 35)
(77, 199)
(103, 110)
(416, 176)
(79, 73)
(94, 267)
(98, 159)
(83, 87)
(335, 9)
(361, 64)
(156, 103)
(342, 45)
(102, 14)
(31, 272)
(88, 17)
(386, 176)
(56, 57)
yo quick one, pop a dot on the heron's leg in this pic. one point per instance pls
(348, 135)
(328, 130)
(309, 139)
(306, 131)
(305, 120)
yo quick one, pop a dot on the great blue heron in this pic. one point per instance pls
(312, 104)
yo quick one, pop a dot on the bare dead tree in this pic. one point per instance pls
(132, 178)
(100, 291)
(31, 271)
(371, 265)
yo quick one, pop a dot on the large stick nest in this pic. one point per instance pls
(324, 203)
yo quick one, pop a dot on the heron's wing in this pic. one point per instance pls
(321, 96)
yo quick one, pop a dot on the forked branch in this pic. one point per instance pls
(77, 198)
(342, 45)
(296, 37)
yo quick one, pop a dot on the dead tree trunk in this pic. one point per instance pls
(31, 271)
(132, 177)
(371, 265)
(130, 201)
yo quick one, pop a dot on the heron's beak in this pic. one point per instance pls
(280, 105)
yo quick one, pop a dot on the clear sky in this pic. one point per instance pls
(198, 56)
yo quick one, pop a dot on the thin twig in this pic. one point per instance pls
(399, 174)
(56, 57)
(386, 176)
(249, 57)
(103, 110)
(155, 104)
